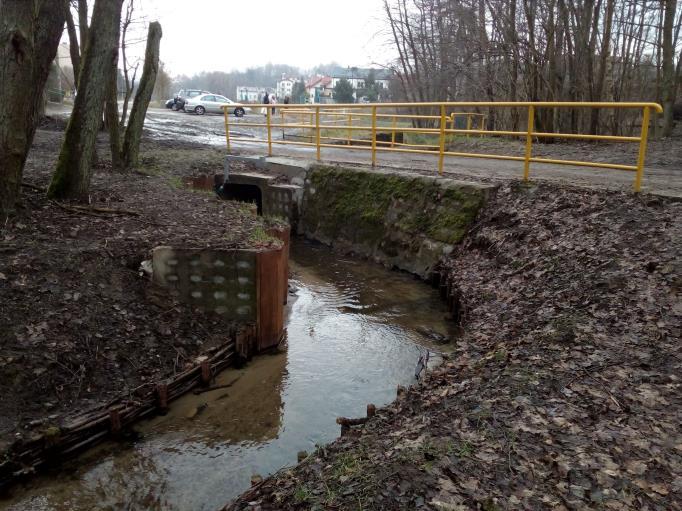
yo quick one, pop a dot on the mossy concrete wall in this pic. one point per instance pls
(403, 220)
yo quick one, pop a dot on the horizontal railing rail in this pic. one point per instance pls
(415, 128)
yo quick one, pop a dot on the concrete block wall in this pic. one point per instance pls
(245, 286)
(220, 281)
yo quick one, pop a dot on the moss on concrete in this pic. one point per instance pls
(385, 213)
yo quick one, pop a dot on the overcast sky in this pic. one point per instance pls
(222, 35)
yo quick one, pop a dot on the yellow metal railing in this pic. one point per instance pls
(336, 126)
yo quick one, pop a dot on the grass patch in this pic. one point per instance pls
(302, 494)
(260, 237)
(176, 182)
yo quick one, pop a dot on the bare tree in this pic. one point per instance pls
(128, 67)
(71, 178)
(74, 46)
(670, 76)
(539, 50)
(162, 86)
(29, 36)
(131, 143)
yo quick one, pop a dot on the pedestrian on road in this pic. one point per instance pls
(266, 101)
(273, 101)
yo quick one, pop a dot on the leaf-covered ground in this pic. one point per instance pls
(564, 391)
(79, 323)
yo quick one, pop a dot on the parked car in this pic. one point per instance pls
(182, 96)
(212, 103)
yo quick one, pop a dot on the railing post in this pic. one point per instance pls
(468, 123)
(267, 116)
(374, 135)
(393, 132)
(350, 131)
(441, 154)
(643, 139)
(317, 132)
(227, 130)
(529, 142)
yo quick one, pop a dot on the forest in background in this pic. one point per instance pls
(540, 50)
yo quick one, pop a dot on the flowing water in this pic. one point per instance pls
(353, 336)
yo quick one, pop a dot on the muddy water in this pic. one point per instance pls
(352, 337)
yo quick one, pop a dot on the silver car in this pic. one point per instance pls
(211, 103)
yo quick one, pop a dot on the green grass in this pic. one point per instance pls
(176, 182)
(302, 494)
(259, 237)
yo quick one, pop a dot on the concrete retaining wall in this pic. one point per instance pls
(403, 220)
(247, 286)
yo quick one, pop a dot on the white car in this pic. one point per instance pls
(211, 103)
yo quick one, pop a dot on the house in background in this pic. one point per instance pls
(357, 76)
(285, 87)
(319, 89)
(251, 94)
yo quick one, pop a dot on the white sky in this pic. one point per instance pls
(222, 35)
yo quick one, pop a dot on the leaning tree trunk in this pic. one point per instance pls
(71, 178)
(74, 47)
(131, 144)
(29, 36)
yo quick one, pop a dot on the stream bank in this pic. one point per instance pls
(563, 391)
(80, 325)
(354, 334)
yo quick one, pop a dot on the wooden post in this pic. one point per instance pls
(162, 396)
(115, 420)
(205, 372)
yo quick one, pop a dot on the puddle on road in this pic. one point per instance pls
(352, 339)
(206, 129)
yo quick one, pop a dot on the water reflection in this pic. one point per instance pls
(352, 330)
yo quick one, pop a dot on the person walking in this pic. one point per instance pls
(273, 101)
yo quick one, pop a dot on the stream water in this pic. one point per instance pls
(353, 336)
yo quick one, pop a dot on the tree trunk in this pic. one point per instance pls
(74, 49)
(598, 90)
(83, 23)
(29, 36)
(71, 178)
(131, 144)
(111, 115)
(669, 79)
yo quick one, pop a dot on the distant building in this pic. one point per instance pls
(252, 94)
(285, 87)
(358, 75)
(319, 89)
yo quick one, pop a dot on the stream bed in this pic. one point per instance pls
(353, 336)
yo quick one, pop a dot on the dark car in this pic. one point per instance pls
(178, 102)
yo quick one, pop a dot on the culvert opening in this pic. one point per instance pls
(243, 193)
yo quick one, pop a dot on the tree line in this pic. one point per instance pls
(540, 50)
(29, 35)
